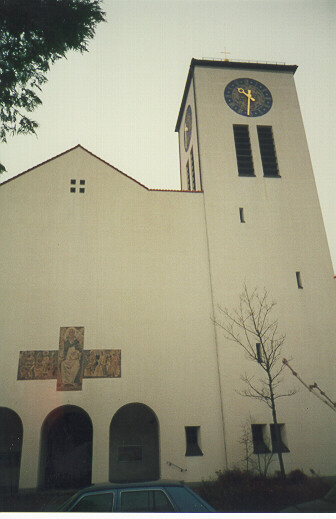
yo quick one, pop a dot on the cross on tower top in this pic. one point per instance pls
(225, 52)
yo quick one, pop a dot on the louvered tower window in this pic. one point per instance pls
(267, 151)
(243, 150)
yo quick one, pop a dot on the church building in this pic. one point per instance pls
(112, 367)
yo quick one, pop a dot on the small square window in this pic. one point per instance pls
(82, 189)
(82, 182)
(72, 190)
(73, 181)
(299, 280)
(192, 441)
(283, 447)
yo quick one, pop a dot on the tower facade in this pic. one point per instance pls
(242, 142)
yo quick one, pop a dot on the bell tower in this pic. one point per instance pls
(242, 143)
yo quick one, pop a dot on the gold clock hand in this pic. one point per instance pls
(249, 98)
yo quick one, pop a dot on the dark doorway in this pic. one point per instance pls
(66, 449)
(11, 433)
(134, 444)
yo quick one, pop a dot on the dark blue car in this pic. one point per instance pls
(155, 496)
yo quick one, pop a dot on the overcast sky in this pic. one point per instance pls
(121, 99)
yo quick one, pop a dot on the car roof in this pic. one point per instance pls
(135, 484)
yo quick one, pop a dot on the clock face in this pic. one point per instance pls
(248, 97)
(187, 128)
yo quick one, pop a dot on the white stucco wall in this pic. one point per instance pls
(131, 266)
(283, 233)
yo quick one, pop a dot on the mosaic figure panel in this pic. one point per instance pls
(102, 364)
(37, 365)
(70, 359)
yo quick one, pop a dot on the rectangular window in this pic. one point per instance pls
(258, 438)
(267, 151)
(299, 280)
(188, 175)
(192, 441)
(241, 215)
(72, 190)
(82, 182)
(192, 169)
(283, 447)
(243, 150)
(82, 189)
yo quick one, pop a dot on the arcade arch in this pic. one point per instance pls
(66, 449)
(11, 435)
(134, 444)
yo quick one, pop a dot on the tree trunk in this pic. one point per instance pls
(277, 432)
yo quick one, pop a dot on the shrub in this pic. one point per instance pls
(239, 491)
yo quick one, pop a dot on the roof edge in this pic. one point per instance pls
(214, 63)
(101, 160)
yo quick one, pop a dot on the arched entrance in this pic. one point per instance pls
(11, 433)
(66, 448)
(134, 444)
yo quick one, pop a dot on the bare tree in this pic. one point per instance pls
(253, 327)
(263, 461)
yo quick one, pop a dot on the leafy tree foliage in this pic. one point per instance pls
(33, 35)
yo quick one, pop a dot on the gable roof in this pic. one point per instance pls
(96, 157)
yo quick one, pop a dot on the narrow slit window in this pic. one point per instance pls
(243, 150)
(267, 151)
(259, 353)
(241, 215)
(299, 280)
(192, 441)
(192, 169)
(188, 175)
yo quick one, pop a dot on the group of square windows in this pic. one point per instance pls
(244, 151)
(190, 169)
(73, 186)
(264, 444)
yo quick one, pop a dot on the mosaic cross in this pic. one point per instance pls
(71, 363)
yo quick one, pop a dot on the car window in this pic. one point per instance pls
(94, 503)
(145, 501)
(161, 502)
(187, 501)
